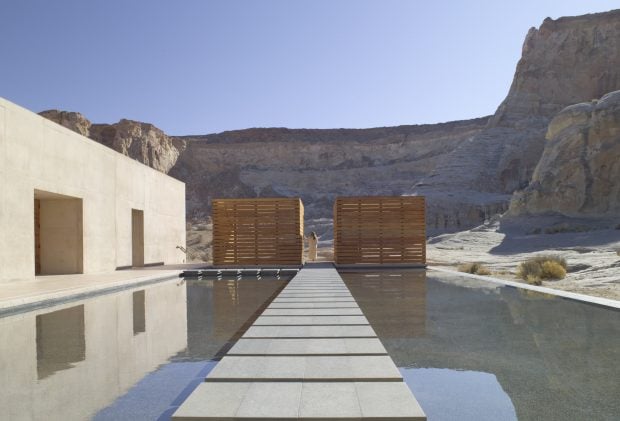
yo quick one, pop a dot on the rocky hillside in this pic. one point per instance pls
(141, 141)
(316, 165)
(467, 169)
(565, 61)
(579, 172)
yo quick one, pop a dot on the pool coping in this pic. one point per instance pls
(34, 302)
(605, 302)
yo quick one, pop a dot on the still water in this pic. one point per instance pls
(131, 355)
(471, 350)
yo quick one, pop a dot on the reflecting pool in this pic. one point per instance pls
(130, 355)
(471, 350)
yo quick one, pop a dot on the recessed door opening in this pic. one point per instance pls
(137, 238)
(58, 234)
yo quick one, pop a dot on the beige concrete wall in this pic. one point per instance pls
(37, 154)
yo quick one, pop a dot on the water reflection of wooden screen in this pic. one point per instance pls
(393, 301)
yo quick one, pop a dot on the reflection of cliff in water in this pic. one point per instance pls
(68, 361)
(556, 359)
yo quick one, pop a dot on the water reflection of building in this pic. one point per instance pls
(69, 361)
(388, 295)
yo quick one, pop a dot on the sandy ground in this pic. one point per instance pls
(592, 256)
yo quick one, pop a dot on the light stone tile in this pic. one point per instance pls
(329, 401)
(310, 331)
(314, 295)
(313, 299)
(389, 400)
(364, 346)
(234, 367)
(342, 331)
(250, 346)
(375, 367)
(213, 400)
(310, 320)
(281, 305)
(313, 312)
(259, 368)
(352, 368)
(271, 400)
(307, 346)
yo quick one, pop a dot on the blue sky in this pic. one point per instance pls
(201, 66)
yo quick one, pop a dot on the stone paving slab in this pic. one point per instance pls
(322, 346)
(313, 294)
(313, 312)
(360, 331)
(310, 355)
(314, 299)
(310, 320)
(379, 368)
(346, 304)
(300, 400)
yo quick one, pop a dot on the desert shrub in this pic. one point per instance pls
(560, 228)
(553, 270)
(474, 268)
(533, 280)
(534, 270)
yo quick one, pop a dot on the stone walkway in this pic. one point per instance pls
(310, 355)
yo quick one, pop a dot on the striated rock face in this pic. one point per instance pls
(565, 61)
(316, 165)
(579, 172)
(468, 170)
(140, 141)
(71, 120)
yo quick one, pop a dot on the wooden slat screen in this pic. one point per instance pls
(380, 230)
(257, 232)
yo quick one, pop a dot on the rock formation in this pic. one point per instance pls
(71, 120)
(467, 169)
(140, 141)
(565, 61)
(316, 165)
(579, 172)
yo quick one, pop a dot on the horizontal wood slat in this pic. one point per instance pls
(257, 232)
(380, 230)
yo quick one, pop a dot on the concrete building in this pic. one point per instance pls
(71, 205)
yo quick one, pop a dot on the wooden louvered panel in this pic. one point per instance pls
(380, 230)
(257, 232)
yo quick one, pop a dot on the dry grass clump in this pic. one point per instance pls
(474, 268)
(534, 270)
(562, 228)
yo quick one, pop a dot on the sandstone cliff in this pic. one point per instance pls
(579, 172)
(316, 165)
(468, 170)
(565, 61)
(140, 141)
